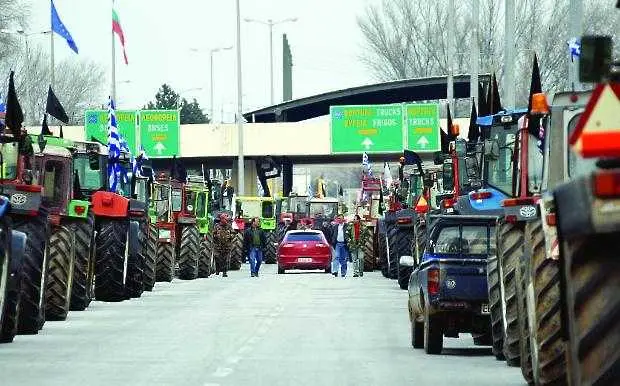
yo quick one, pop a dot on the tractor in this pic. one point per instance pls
(292, 208)
(368, 210)
(117, 216)
(247, 208)
(162, 228)
(198, 205)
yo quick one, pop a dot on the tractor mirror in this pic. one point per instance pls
(93, 161)
(491, 149)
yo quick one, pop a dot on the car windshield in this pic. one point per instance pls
(90, 179)
(177, 200)
(577, 165)
(499, 168)
(465, 239)
(327, 209)
(9, 160)
(303, 236)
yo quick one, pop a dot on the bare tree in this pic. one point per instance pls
(407, 39)
(13, 16)
(78, 83)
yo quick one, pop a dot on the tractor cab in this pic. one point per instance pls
(320, 211)
(197, 201)
(293, 207)
(160, 209)
(246, 208)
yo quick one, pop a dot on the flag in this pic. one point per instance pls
(340, 191)
(60, 29)
(574, 46)
(366, 164)
(411, 157)
(381, 204)
(54, 108)
(310, 191)
(493, 98)
(483, 103)
(14, 115)
(474, 131)
(45, 130)
(387, 174)
(535, 124)
(117, 29)
(62, 135)
(114, 149)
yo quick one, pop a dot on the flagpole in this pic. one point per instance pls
(475, 52)
(52, 77)
(575, 28)
(113, 88)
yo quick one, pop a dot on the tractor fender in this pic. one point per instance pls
(108, 204)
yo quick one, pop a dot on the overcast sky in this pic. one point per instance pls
(325, 40)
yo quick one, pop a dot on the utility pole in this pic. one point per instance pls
(475, 52)
(509, 53)
(211, 52)
(52, 75)
(240, 160)
(451, 55)
(575, 29)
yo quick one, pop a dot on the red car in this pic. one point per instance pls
(304, 249)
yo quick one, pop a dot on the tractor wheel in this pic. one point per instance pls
(150, 258)
(111, 241)
(206, 255)
(165, 262)
(392, 259)
(236, 253)
(280, 232)
(382, 242)
(592, 272)
(401, 246)
(270, 252)
(550, 361)
(59, 273)
(433, 334)
(189, 253)
(83, 290)
(420, 240)
(496, 307)
(523, 320)
(134, 282)
(369, 253)
(32, 303)
(510, 249)
(10, 278)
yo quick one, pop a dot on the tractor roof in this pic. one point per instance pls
(85, 146)
(57, 151)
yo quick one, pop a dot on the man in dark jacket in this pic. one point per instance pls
(223, 236)
(337, 239)
(255, 242)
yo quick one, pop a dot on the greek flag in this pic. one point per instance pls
(310, 191)
(114, 149)
(574, 45)
(366, 163)
(136, 163)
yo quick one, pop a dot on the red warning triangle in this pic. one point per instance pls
(597, 133)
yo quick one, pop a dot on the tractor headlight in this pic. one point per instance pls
(190, 208)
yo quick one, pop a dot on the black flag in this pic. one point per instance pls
(474, 130)
(45, 130)
(483, 103)
(54, 108)
(340, 191)
(533, 125)
(61, 133)
(381, 203)
(493, 98)
(14, 115)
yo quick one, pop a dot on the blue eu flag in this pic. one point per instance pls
(61, 30)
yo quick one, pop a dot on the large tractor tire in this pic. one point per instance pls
(150, 258)
(59, 273)
(111, 241)
(496, 307)
(83, 288)
(32, 303)
(271, 251)
(549, 363)
(522, 282)
(420, 239)
(236, 252)
(401, 246)
(10, 280)
(189, 253)
(392, 259)
(382, 261)
(592, 272)
(205, 263)
(510, 249)
(165, 262)
(280, 233)
(134, 281)
(369, 252)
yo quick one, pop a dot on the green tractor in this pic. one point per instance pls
(161, 227)
(247, 208)
(197, 198)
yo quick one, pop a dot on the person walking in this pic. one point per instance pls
(222, 243)
(255, 242)
(357, 235)
(339, 243)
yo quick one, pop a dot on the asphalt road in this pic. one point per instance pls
(296, 329)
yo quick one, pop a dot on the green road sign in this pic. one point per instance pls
(423, 127)
(159, 132)
(96, 125)
(372, 128)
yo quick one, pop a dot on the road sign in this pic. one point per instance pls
(372, 128)
(423, 127)
(96, 125)
(159, 132)
(597, 133)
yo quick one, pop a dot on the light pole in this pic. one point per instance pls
(240, 160)
(211, 52)
(270, 23)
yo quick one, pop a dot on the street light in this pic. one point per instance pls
(270, 23)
